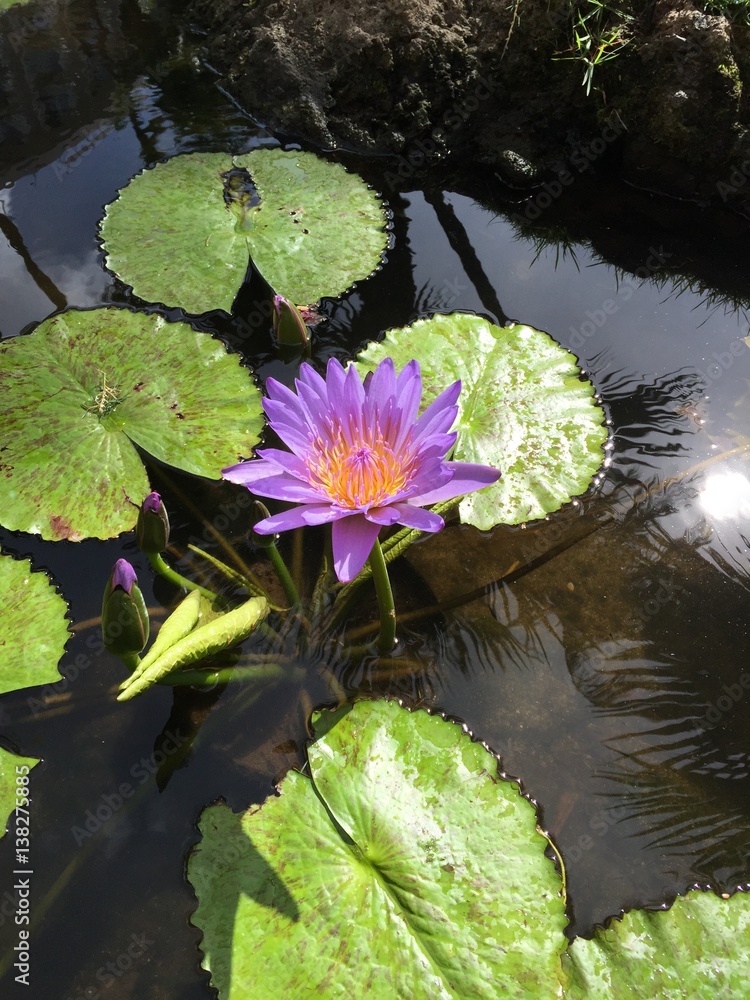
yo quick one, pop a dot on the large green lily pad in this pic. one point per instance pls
(698, 949)
(402, 866)
(171, 235)
(33, 626)
(13, 792)
(79, 393)
(524, 408)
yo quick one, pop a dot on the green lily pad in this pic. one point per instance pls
(33, 626)
(171, 235)
(400, 867)
(14, 789)
(317, 229)
(696, 949)
(79, 393)
(524, 408)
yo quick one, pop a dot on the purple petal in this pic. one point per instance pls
(310, 378)
(335, 378)
(152, 503)
(434, 417)
(315, 400)
(354, 393)
(431, 477)
(246, 473)
(285, 461)
(381, 386)
(286, 487)
(382, 515)
(417, 517)
(294, 425)
(296, 517)
(435, 446)
(466, 479)
(408, 397)
(353, 539)
(123, 576)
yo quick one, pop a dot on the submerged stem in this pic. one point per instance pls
(174, 577)
(387, 636)
(285, 577)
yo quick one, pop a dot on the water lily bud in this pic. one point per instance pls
(288, 325)
(125, 624)
(152, 527)
(259, 512)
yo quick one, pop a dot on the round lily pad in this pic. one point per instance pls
(696, 949)
(524, 408)
(402, 866)
(79, 393)
(173, 237)
(33, 626)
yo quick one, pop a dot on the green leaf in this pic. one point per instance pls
(33, 626)
(197, 644)
(77, 396)
(14, 788)
(171, 235)
(697, 949)
(317, 229)
(524, 409)
(402, 867)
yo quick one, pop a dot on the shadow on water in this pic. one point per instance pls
(602, 652)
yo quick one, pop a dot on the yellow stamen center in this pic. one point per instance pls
(355, 473)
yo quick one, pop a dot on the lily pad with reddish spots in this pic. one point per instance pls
(85, 390)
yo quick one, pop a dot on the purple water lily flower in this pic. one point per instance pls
(360, 457)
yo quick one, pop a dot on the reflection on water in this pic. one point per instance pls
(603, 652)
(726, 496)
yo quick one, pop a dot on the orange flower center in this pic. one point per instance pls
(355, 473)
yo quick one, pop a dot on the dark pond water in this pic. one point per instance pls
(600, 653)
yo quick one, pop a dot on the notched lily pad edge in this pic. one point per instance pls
(17, 556)
(152, 305)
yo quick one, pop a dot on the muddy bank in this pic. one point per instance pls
(504, 83)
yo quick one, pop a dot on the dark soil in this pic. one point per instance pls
(502, 82)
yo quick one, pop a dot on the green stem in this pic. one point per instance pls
(387, 636)
(393, 547)
(131, 660)
(285, 578)
(176, 578)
